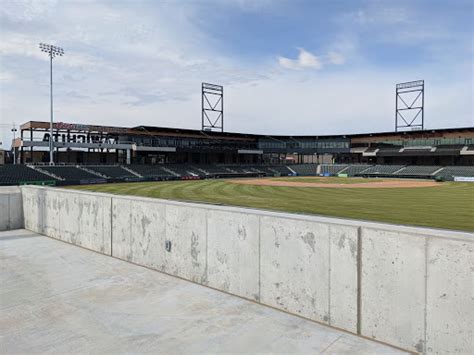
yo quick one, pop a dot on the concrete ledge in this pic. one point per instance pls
(406, 286)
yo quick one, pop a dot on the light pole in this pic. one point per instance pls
(14, 148)
(52, 51)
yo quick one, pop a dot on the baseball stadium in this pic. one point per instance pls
(416, 177)
(366, 234)
(326, 208)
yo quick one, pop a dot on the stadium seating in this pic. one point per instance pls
(332, 169)
(69, 173)
(241, 170)
(66, 174)
(449, 172)
(418, 170)
(111, 171)
(152, 171)
(380, 170)
(257, 169)
(183, 170)
(212, 169)
(353, 170)
(280, 169)
(305, 169)
(17, 174)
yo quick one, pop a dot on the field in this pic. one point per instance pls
(444, 205)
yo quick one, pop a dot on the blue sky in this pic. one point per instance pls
(288, 67)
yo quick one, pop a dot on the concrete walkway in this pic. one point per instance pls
(56, 297)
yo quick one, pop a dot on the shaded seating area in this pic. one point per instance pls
(152, 171)
(112, 171)
(184, 170)
(240, 169)
(381, 170)
(332, 169)
(18, 174)
(450, 172)
(212, 169)
(305, 169)
(353, 170)
(281, 169)
(70, 173)
(418, 170)
(67, 174)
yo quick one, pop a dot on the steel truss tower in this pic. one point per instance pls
(409, 105)
(212, 107)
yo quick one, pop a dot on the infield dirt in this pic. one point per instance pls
(366, 185)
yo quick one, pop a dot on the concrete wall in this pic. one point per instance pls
(11, 208)
(409, 287)
(80, 219)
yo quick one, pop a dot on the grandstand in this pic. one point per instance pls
(304, 169)
(353, 170)
(152, 171)
(112, 171)
(381, 170)
(69, 173)
(332, 169)
(95, 154)
(21, 174)
(184, 170)
(87, 174)
(450, 172)
(212, 170)
(418, 170)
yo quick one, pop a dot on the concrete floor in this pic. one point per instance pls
(56, 297)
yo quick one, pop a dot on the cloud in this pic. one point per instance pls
(336, 58)
(307, 60)
(6, 77)
(15, 44)
(74, 95)
(26, 10)
(250, 5)
(399, 23)
(379, 13)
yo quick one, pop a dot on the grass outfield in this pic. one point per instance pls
(449, 205)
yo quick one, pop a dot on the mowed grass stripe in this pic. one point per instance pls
(450, 205)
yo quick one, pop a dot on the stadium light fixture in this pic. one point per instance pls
(52, 52)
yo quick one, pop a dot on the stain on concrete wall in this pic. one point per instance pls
(11, 208)
(233, 253)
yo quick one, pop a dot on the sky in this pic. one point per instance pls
(287, 67)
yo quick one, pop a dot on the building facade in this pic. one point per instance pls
(93, 144)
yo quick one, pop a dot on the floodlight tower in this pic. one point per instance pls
(52, 51)
(212, 107)
(415, 106)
